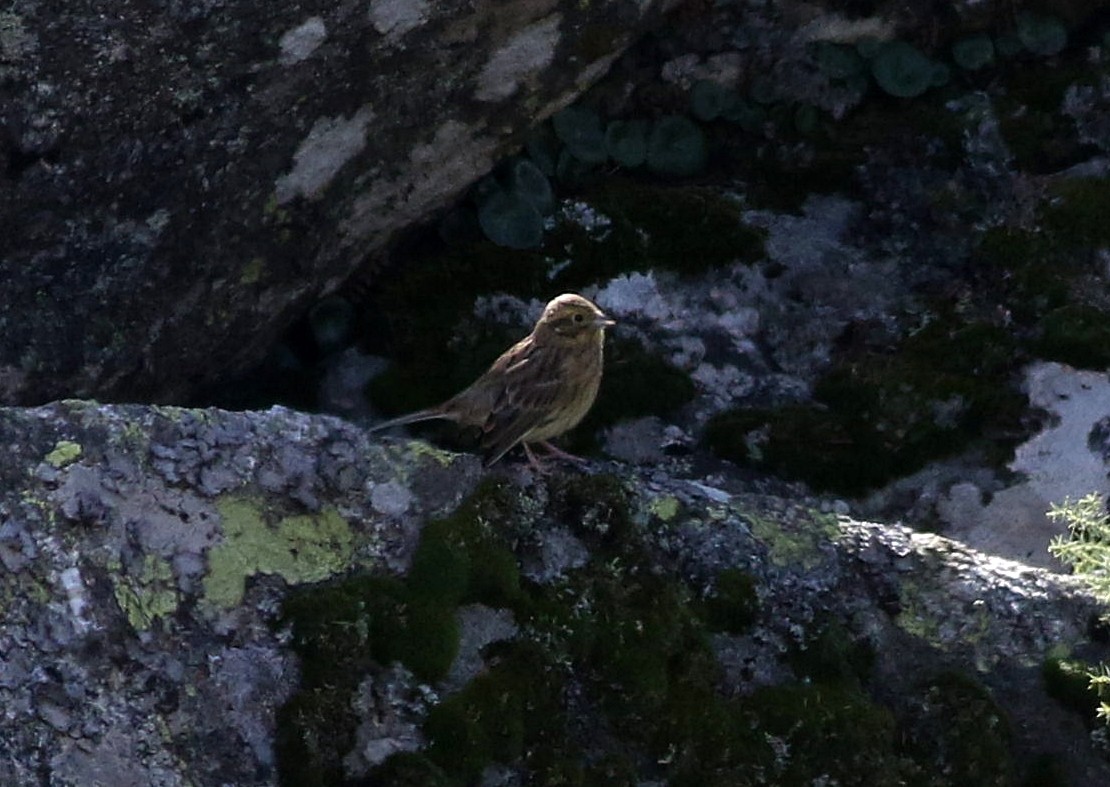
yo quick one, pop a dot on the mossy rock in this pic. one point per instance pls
(1042, 138)
(1078, 213)
(832, 731)
(960, 732)
(830, 654)
(878, 417)
(733, 606)
(1068, 681)
(334, 629)
(1077, 335)
(686, 229)
(1027, 269)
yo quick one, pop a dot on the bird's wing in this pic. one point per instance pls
(528, 380)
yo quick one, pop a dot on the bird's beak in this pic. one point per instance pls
(604, 321)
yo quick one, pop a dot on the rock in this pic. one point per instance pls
(147, 637)
(181, 176)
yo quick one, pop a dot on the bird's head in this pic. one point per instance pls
(574, 318)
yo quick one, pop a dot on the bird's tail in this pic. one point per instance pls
(429, 414)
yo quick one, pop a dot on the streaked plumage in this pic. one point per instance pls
(538, 389)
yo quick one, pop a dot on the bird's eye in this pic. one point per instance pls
(578, 317)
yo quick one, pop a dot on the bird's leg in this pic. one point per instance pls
(534, 461)
(559, 453)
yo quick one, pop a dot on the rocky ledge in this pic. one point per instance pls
(205, 597)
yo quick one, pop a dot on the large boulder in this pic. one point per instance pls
(208, 598)
(178, 175)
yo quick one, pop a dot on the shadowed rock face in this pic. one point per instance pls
(173, 176)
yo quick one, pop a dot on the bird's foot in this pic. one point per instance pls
(558, 453)
(534, 461)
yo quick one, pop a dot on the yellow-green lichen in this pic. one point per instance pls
(252, 271)
(149, 594)
(923, 616)
(65, 452)
(306, 548)
(797, 543)
(420, 450)
(664, 507)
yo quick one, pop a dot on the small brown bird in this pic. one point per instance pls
(539, 388)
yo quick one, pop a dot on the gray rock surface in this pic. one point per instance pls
(175, 176)
(147, 550)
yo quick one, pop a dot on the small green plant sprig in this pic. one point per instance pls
(1086, 549)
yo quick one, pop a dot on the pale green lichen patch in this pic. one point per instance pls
(421, 450)
(664, 507)
(797, 543)
(305, 548)
(926, 613)
(148, 595)
(65, 452)
(252, 271)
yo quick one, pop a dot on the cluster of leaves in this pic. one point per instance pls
(1087, 550)
(901, 69)
(513, 203)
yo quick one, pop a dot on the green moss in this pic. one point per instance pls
(341, 630)
(464, 558)
(1077, 212)
(1078, 335)
(1041, 138)
(634, 637)
(831, 730)
(687, 229)
(733, 606)
(831, 655)
(481, 724)
(1068, 681)
(878, 417)
(440, 570)
(306, 548)
(334, 631)
(595, 508)
(960, 732)
(1027, 269)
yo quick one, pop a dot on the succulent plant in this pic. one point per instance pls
(902, 70)
(580, 130)
(974, 52)
(1042, 35)
(626, 142)
(677, 147)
